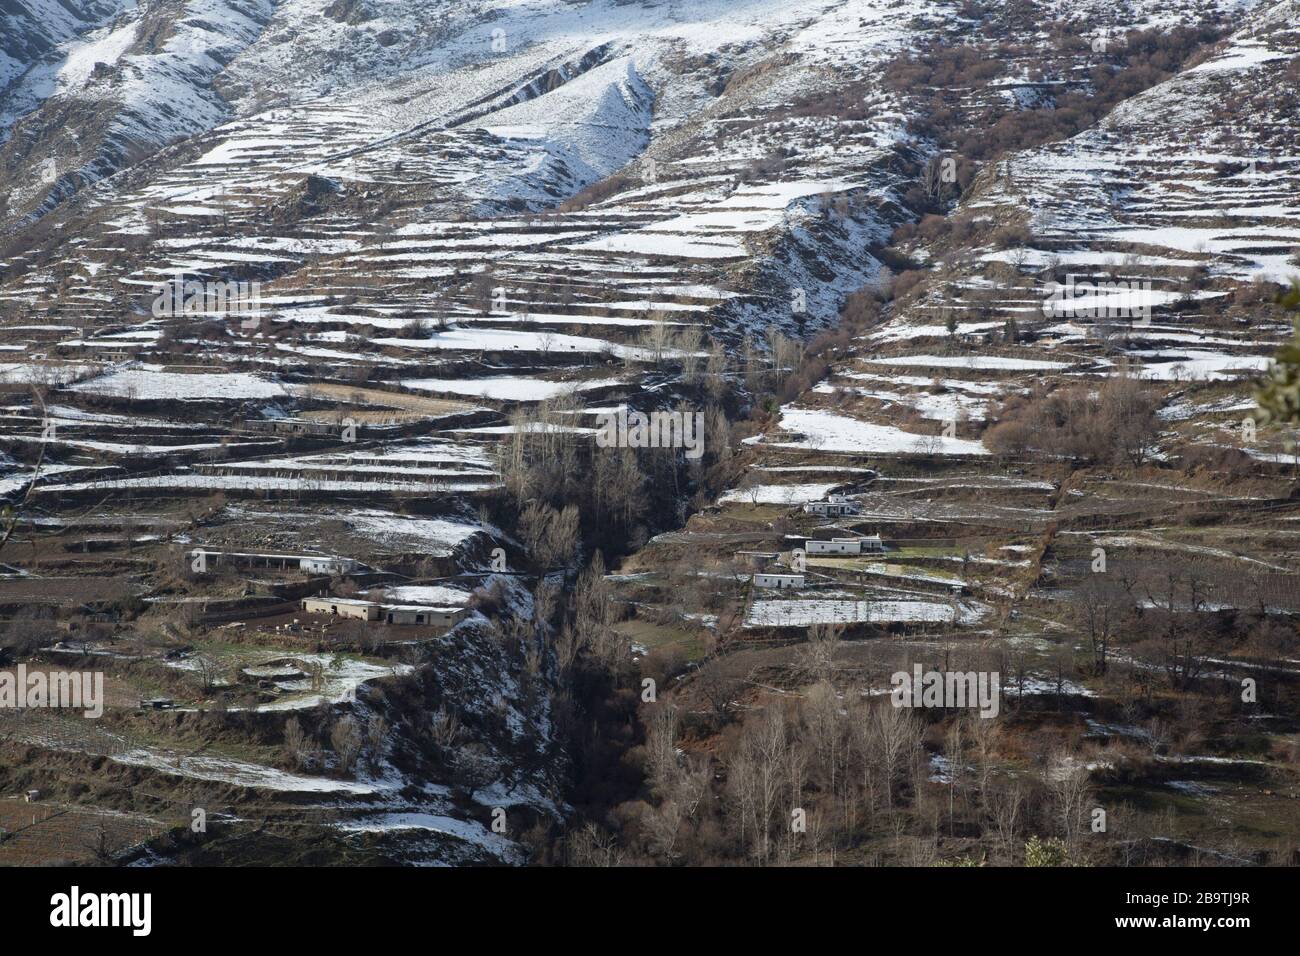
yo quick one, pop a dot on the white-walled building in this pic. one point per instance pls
(871, 544)
(342, 607)
(832, 505)
(203, 560)
(328, 564)
(386, 613)
(778, 580)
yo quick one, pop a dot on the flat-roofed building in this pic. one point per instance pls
(833, 505)
(342, 607)
(422, 614)
(418, 614)
(833, 546)
(778, 580)
(203, 560)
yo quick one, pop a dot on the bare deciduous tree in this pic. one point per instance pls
(345, 741)
(295, 743)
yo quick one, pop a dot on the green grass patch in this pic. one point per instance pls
(651, 636)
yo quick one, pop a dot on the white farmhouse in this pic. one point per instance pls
(868, 545)
(832, 505)
(778, 580)
(329, 564)
(203, 560)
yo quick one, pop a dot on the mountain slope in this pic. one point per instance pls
(432, 242)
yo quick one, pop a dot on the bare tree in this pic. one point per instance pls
(661, 748)
(1006, 804)
(894, 735)
(444, 728)
(295, 743)
(766, 741)
(209, 671)
(1067, 781)
(376, 738)
(592, 846)
(345, 741)
(1105, 602)
(816, 659)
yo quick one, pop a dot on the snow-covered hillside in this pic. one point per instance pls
(32, 29)
(342, 287)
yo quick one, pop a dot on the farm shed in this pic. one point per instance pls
(205, 560)
(778, 580)
(834, 505)
(419, 614)
(866, 545)
(342, 607)
(833, 546)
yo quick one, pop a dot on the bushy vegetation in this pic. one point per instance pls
(1279, 398)
(1114, 423)
(1057, 100)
